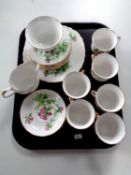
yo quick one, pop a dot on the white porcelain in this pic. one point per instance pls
(51, 59)
(76, 85)
(104, 67)
(110, 128)
(80, 114)
(44, 32)
(75, 61)
(109, 98)
(23, 80)
(104, 39)
(43, 113)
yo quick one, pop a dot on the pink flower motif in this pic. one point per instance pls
(42, 110)
(43, 117)
(29, 119)
(49, 113)
(42, 114)
(46, 128)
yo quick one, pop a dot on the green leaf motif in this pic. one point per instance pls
(49, 125)
(39, 52)
(73, 36)
(58, 71)
(29, 118)
(55, 53)
(42, 100)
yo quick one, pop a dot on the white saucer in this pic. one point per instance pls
(75, 63)
(43, 113)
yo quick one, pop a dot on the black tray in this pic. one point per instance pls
(67, 137)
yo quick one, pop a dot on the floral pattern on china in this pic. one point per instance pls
(59, 50)
(54, 54)
(51, 57)
(74, 63)
(43, 112)
(47, 109)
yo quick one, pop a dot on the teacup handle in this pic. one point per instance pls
(95, 54)
(97, 115)
(71, 99)
(93, 93)
(7, 92)
(83, 71)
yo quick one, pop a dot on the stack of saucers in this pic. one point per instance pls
(57, 49)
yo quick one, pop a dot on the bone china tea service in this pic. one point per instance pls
(55, 53)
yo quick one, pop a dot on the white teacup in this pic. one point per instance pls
(23, 80)
(104, 67)
(104, 40)
(76, 85)
(109, 98)
(80, 114)
(44, 32)
(110, 128)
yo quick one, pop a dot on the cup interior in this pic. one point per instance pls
(110, 98)
(104, 39)
(76, 85)
(110, 128)
(105, 66)
(23, 78)
(49, 35)
(80, 114)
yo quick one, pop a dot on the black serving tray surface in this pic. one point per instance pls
(67, 137)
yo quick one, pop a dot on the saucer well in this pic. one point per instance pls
(43, 113)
